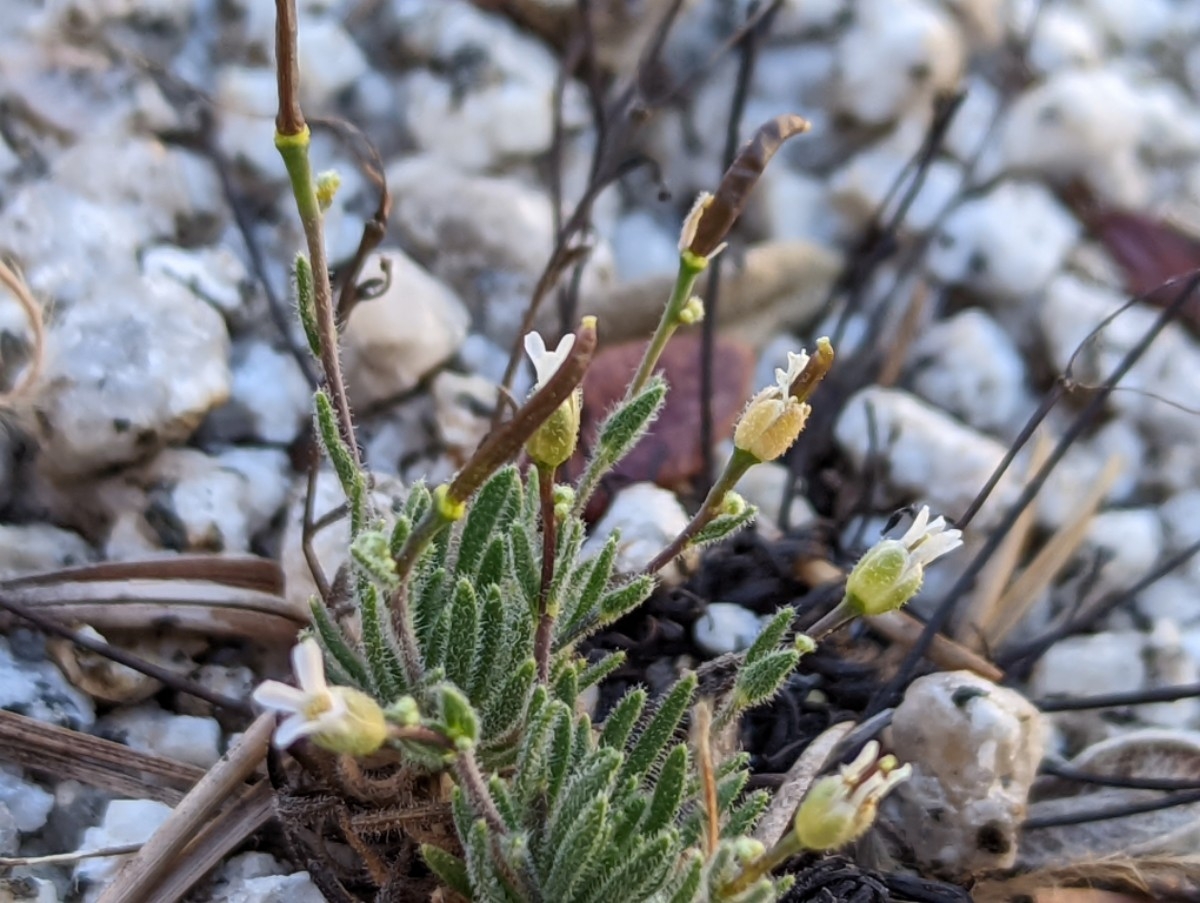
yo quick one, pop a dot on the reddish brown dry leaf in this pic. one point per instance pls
(670, 455)
(1149, 252)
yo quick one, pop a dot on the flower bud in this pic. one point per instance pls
(692, 312)
(554, 441)
(359, 731)
(773, 419)
(840, 808)
(892, 571)
(328, 183)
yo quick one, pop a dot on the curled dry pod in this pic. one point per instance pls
(723, 209)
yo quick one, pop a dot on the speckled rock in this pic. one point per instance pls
(975, 749)
(136, 367)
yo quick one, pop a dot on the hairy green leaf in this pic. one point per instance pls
(772, 635)
(491, 511)
(651, 743)
(620, 721)
(579, 846)
(668, 791)
(338, 646)
(450, 870)
(463, 638)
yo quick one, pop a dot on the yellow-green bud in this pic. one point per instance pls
(732, 504)
(554, 441)
(692, 312)
(360, 730)
(404, 712)
(448, 508)
(804, 644)
(564, 501)
(328, 183)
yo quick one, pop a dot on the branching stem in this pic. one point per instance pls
(292, 139)
(739, 462)
(690, 268)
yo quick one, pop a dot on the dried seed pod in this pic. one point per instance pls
(722, 210)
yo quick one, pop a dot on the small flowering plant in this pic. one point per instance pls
(438, 716)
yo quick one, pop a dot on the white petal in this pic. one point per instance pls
(937, 545)
(292, 729)
(309, 667)
(279, 697)
(917, 531)
(535, 347)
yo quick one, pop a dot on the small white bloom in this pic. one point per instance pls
(928, 541)
(339, 719)
(840, 808)
(892, 571)
(546, 363)
(785, 378)
(774, 418)
(311, 708)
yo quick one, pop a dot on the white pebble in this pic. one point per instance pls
(1006, 244)
(725, 627)
(970, 367)
(896, 55)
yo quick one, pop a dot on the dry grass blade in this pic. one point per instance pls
(1049, 562)
(903, 629)
(71, 755)
(252, 809)
(139, 876)
(976, 627)
(239, 598)
(1148, 877)
(33, 312)
(245, 571)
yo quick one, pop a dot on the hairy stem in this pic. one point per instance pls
(762, 867)
(739, 463)
(690, 267)
(292, 138)
(545, 626)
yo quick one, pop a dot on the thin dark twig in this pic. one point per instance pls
(1082, 421)
(1103, 813)
(1117, 700)
(1067, 773)
(309, 529)
(747, 58)
(163, 675)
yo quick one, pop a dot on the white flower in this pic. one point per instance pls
(785, 378)
(546, 363)
(340, 719)
(928, 541)
(840, 808)
(892, 571)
